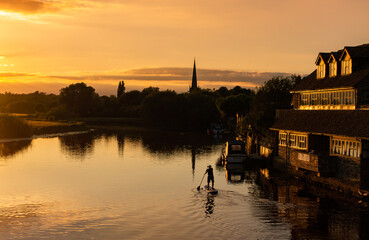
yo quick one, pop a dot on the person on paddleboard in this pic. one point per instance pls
(210, 173)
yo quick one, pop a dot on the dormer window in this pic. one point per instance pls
(321, 70)
(346, 67)
(346, 63)
(333, 69)
(321, 65)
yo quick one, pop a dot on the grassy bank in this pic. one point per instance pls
(14, 127)
(48, 127)
(134, 122)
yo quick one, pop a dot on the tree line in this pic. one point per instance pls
(197, 110)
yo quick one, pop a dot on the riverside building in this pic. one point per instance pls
(327, 131)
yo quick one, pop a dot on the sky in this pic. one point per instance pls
(46, 45)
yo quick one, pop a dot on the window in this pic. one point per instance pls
(298, 141)
(336, 98)
(333, 69)
(236, 147)
(314, 99)
(346, 67)
(295, 140)
(320, 71)
(282, 139)
(325, 98)
(305, 99)
(348, 98)
(345, 147)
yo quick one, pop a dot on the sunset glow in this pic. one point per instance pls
(60, 42)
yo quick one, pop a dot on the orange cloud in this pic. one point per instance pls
(178, 74)
(26, 6)
(105, 83)
(42, 6)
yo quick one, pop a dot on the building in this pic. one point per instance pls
(194, 86)
(327, 131)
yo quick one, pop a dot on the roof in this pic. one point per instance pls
(310, 82)
(360, 71)
(350, 123)
(336, 55)
(361, 51)
(236, 142)
(323, 56)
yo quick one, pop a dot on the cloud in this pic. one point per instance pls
(178, 74)
(105, 83)
(26, 6)
(41, 6)
(11, 74)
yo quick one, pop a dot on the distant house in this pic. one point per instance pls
(328, 130)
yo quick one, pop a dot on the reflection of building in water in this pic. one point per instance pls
(311, 215)
(8, 149)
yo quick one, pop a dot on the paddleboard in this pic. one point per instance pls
(210, 190)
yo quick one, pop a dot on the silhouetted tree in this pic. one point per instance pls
(223, 92)
(163, 108)
(234, 104)
(147, 91)
(202, 111)
(121, 89)
(274, 94)
(79, 99)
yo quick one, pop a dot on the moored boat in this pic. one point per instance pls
(234, 152)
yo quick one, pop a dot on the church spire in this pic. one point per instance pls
(194, 78)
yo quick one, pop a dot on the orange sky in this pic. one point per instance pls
(45, 45)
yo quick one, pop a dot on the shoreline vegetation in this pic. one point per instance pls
(78, 107)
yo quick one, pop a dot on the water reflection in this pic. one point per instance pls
(79, 145)
(314, 212)
(209, 206)
(9, 149)
(108, 198)
(235, 173)
(120, 140)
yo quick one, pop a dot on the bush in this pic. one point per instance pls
(20, 107)
(60, 112)
(14, 127)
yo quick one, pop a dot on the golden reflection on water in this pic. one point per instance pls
(143, 185)
(8, 149)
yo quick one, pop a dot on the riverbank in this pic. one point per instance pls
(50, 127)
(42, 126)
(345, 189)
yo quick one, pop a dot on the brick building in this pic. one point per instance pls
(327, 132)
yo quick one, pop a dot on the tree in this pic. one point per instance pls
(121, 89)
(79, 99)
(223, 92)
(235, 104)
(202, 111)
(274, 94)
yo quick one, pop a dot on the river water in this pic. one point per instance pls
(142, 185)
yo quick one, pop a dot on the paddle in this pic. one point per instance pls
(198, 188)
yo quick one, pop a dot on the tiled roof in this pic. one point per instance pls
(312, 83)
(360, 71)
(361, 51)
(350, 123)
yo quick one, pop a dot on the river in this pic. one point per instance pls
(142, 185)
